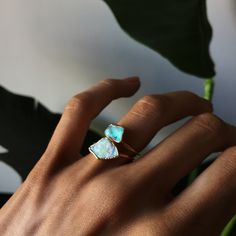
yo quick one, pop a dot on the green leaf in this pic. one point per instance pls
(178, 29)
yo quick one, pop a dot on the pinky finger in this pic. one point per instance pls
(210, 202)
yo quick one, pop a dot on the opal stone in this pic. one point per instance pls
(114, 132)
(104, 149)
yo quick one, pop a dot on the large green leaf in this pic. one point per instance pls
(178, 29)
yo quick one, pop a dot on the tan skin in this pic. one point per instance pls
(66, 194)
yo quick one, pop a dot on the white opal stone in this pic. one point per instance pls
(104, 149)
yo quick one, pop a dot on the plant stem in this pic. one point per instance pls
(193, 175)
(227, 230)
(209, 86)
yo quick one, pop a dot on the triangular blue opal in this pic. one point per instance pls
(104, 149)
(114, 132)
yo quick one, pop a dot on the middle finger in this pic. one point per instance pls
(153, 112)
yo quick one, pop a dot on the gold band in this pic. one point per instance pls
(129, 148)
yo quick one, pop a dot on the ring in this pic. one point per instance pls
(105, 148)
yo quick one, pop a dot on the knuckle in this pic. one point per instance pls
(231, 152)
(152, 105)
(79, 102)
(230, 156)
(209, 122)
(108, 82)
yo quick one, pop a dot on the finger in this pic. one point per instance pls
(186, 148)
(212, 195)
(83, 108)
(153, 112)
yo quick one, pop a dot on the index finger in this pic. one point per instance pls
(83, 108)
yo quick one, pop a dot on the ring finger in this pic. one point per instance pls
(153, 112)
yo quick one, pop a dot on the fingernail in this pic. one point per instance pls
(132, 79)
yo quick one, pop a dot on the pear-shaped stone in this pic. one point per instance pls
(114, 132)
(104, 149)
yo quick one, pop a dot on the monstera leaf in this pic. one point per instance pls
(178, 30)
(25, 130)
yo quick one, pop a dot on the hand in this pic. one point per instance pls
(66, 194)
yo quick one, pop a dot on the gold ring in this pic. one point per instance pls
(105, 148)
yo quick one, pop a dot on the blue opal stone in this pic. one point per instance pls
(104, 149)
(114, 132)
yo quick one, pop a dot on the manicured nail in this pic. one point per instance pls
(133, 79)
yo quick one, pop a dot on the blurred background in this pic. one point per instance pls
(51, 50)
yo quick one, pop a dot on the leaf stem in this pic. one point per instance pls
(209, 86)
(193, 175)
(229, 227)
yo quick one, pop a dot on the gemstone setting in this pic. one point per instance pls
(104, 149)
(114, 132)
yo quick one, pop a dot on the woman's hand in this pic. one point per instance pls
(66, 194)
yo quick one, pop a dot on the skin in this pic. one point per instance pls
(66, 194)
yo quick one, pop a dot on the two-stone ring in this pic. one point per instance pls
(105, 148)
